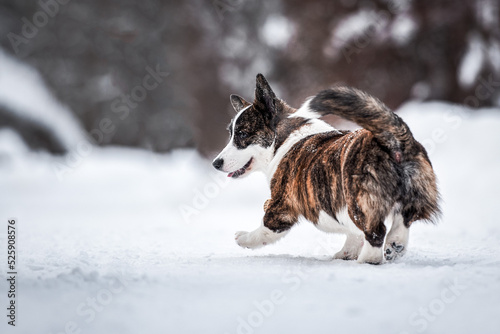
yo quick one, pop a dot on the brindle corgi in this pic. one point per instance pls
(355, 183)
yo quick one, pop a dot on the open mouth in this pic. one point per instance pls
(240, 171)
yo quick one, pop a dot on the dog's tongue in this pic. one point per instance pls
(241, 171)
(236, 173)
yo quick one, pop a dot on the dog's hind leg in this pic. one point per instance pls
(369, 210)
(396, 242)
(277, 222)
(352, 247)
(371, 253)
(374, 232)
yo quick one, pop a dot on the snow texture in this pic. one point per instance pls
(134, 242)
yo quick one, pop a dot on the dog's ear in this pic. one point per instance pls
(238, 102)
(265, 100)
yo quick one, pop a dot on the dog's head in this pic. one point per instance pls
(252, 133)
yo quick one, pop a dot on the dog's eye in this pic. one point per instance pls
(242, 134)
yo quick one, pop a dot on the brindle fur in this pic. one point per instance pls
(370, 171)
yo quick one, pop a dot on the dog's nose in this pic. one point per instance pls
(218, 163)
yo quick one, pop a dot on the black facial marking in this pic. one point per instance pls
(252, 128)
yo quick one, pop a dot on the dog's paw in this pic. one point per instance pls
(345, 255)
(241, 238)
(351, 249)
(238, 234)
(393, 250)
(370, 254)
(250, 240)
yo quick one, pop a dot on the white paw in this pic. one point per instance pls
(345, 255)
(370, 254)
(240, 238)
(394, 250)
(258, 238)
(244, 239)
(238, 234)
(351, 249)
(396, 242)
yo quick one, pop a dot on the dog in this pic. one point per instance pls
(356, 183)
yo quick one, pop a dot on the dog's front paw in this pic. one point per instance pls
(238, 234)
(241, 238)
(249, 240)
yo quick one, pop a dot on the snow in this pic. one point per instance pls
(472, 62)
(403, 29)
(360, 29)
(277, 31)
(354, 25)
(487, 14)
(23, 91)
(135, 242)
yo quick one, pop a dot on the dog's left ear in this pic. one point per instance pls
(265, 100)
(238, 103)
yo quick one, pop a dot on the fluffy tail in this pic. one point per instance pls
(419, 194)
(370, 113)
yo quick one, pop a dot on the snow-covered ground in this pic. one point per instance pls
(127, 241)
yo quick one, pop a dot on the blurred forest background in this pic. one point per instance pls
(161, 72)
